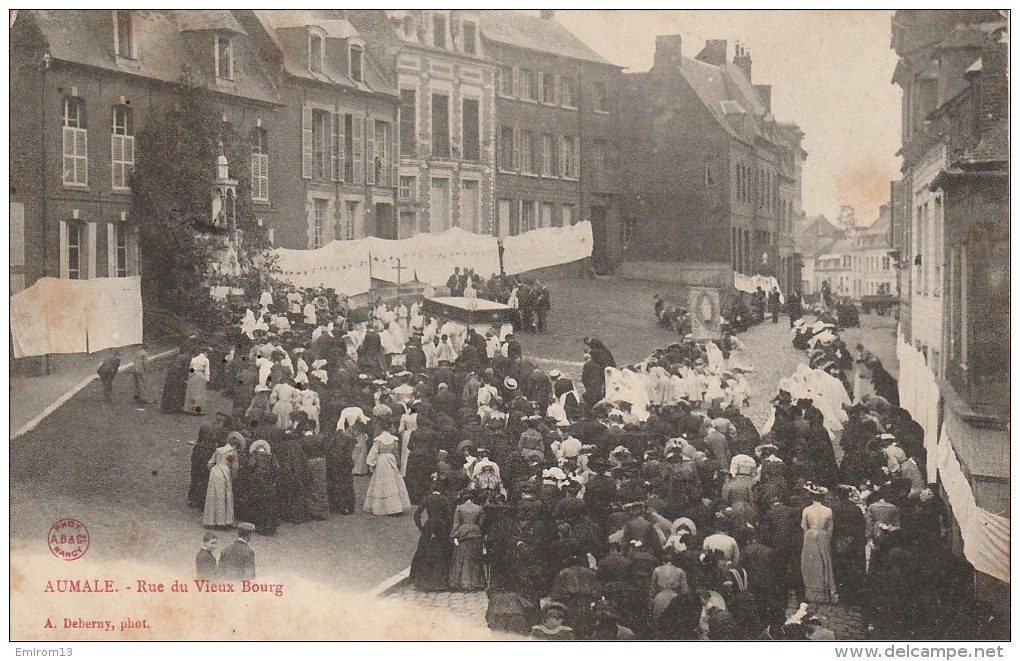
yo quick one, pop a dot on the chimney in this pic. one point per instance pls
(667, 50)
(742, 58)
(548, 14)
(994, 80)
(714, 52)
(765, 94)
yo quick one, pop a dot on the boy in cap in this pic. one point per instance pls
(237, 562)
(206, 565)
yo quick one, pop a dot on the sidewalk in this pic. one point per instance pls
(32, 398)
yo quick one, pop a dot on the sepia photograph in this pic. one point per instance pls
(510, 325)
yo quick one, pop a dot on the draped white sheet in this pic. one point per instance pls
(549, 246)
(57, 315)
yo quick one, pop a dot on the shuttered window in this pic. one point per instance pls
(259, 166)
(122, 148)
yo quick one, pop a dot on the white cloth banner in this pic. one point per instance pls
(750, 283)
(985, 535)
(349, 266)
(57, 315)
(549, 246)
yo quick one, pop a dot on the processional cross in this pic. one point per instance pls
(398, 269)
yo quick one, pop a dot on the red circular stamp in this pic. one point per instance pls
(68, 539)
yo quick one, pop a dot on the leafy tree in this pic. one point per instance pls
(172, 184)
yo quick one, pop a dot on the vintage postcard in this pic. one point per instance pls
(434, 324)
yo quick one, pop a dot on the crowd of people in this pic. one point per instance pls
(640, 503)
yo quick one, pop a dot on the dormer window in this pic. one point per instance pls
(470, 38)
(356, 63)
(224, 54)
(315, 53)
(439, 30)
(123, 34)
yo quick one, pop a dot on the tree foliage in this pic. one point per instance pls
(172, 185)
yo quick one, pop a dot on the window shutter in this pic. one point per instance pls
(111, 250)
(540, 84)
(394, 154)
(516, 83)
(358, 124)
(556, 89)
(563, 156)
(515, 162)
(306, 142)
(370, 151)
(334, 143)
(341, 143)
(576, 157)
(90, 270)
(64, 265)
(116, 159)
(129, 158)
(81, 149)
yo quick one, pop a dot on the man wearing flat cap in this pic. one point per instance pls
(237, 562)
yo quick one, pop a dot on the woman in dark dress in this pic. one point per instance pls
(421, 464)
(175, 384)
(849, 539)
(264, 475)
(430, 568)
(339, 472)
(318, 475)
(292, 489)
(208, 440)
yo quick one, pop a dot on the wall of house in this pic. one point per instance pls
(670, 138)
(926, 277)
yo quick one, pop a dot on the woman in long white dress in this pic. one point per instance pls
(387, 493)
(408, 424)
(198, 378)
(219, 495)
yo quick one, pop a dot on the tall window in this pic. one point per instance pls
(74, 232)
(527, 215)
(506, 149)
(319, 223)
(122, 148)
(470, 130)
(568, 92)
(526, 84)
(568, 215)
(321, 152)
(406, 189)
(527, 150)
(123, 34)
(441, 125)
(224, 57)
(408, 123)
(315, 53)
(76, 152)
(549, 155)
(568, 156)
(548, 88)
(439, 30)
(120, 250)
(601, 98)
(598, 156)
(349, 222)
(470, 38)
(356, 63)
(383, 134)
(259, 165)
(506, 81)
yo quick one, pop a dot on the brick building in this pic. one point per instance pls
(557, 153)
(953, 234)
(332, 142)
(712, 180)
(447, 116)
(88, 82)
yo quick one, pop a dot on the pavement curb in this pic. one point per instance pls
(391, 585)
(81, 385)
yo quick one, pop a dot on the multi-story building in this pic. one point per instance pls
(955, 241)
(88, 82)
(333, 142)
(814, 237)
(704, 168)
(874, 270)
(446, 86)
(557, 154)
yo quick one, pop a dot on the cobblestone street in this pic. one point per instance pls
(769, 349)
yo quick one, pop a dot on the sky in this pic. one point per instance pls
(830, 73)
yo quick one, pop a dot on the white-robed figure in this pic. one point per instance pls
(349, 417)
(308, 401)
(716, 361)
(738, 359)
(311, 317)
(471, 294)
(403, 318)
(387, 493)
(408, 424)
(198, 379)
(265, 301)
